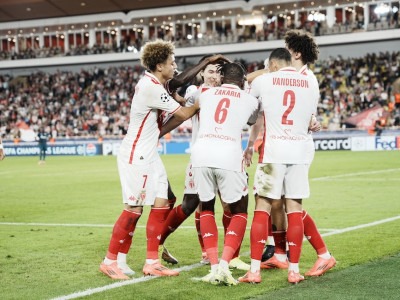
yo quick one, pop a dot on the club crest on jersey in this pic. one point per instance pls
(164, 97)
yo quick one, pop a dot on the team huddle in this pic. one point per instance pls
(283, 100)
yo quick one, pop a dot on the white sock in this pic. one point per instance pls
(281, 257)
(108, 261)
(151, 261)
(294, 267)
(224, 264)
(326, 255)
(255, 265)
(214, 268)
(271, 240)
(121, 258)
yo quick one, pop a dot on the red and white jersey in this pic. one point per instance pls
(193, 92)
(306, 71)
(289, 99)
(224, 111)
(149, 105)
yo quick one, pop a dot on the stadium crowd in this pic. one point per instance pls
(96, 103)
(222, 34)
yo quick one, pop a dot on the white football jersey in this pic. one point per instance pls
(149, 105)
(306, 71)
(224, 111)
(289, 99)
(192, 93)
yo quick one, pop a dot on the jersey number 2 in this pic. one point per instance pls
(222, 110)
(292, 101)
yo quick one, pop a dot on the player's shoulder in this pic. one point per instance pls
(191, 90)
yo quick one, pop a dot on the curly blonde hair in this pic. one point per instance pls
(155, 53)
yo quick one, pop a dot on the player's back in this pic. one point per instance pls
(289, 99)
(224, 111)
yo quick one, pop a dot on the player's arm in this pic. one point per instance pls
(186, 76)
(179, 99)
(2, 154)
(253, 75)
(185, 113)
(254, 131)
(170, 125)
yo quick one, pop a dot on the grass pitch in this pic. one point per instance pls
(56, 222)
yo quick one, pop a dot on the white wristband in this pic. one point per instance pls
(1, 146)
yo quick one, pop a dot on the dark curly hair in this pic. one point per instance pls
(233, 72)
(302, 42)
(155, 53)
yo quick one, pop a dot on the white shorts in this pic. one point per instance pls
(141, 184)
(231, 185)
(274, 180)
(190, 187)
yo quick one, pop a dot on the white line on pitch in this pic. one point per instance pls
(194, 266)
(354, 174)
(111, 226)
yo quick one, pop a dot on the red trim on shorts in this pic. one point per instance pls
(137, 137)
(262, 148)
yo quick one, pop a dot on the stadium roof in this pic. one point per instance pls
(18, 10)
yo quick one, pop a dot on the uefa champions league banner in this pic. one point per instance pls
(32, 149)
(111, 146)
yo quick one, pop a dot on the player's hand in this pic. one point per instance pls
(179, 99)
(2, 154)
(315, 125)
(248, 156)
(218, 59)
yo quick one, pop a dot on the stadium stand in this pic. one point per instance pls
(93, 100)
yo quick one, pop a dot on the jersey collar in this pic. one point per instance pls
(303, 70)
(230, 86)
(154, 78)
(290, 69)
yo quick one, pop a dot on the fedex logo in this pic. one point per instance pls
(387, 143)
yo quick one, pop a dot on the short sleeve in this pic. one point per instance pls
(160, 99)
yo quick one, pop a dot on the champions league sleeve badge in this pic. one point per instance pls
(164, 97)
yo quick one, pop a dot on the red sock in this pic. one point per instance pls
(295, 235)
(175, 218)
(280, 241)
(226, 219)
(154, 228)
(125, 224)
(269, 227)
(171, 203)
(197, 222)
(126, 245)
(312, 234)
(234, 236)
(258, 233)
(209, 232)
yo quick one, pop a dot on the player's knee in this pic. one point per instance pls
(209, 205)
(189, 203)
(239, 207)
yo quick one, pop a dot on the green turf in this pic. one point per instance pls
(374, 280)
(42, 262)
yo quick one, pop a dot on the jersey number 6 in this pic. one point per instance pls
(292, 100)
(222, 110)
